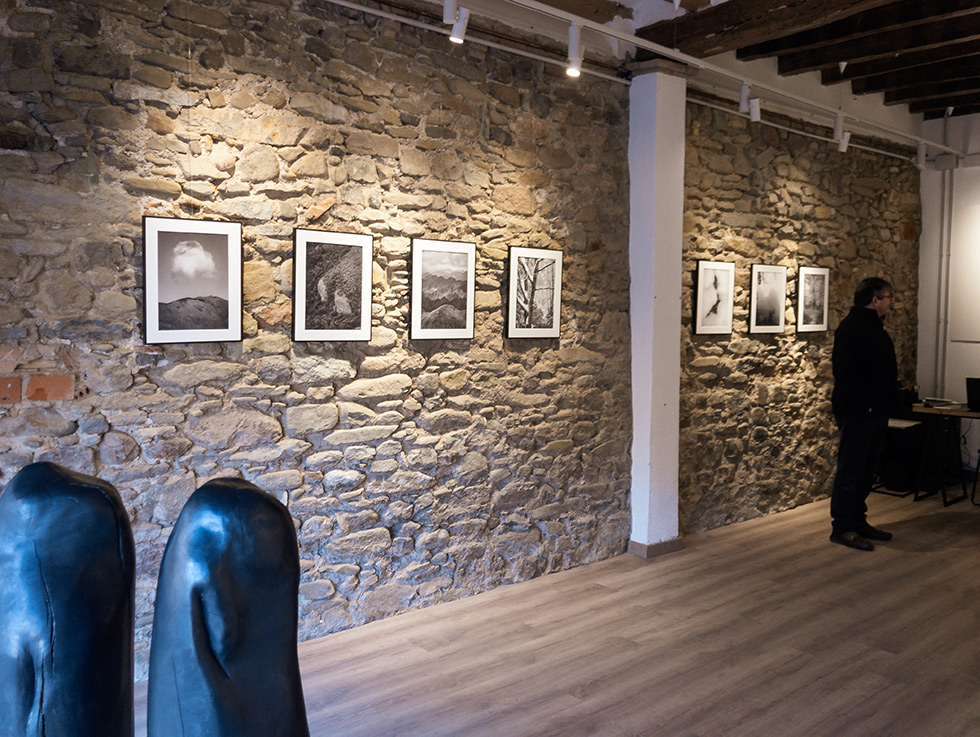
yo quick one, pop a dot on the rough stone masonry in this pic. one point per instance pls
(415, 471)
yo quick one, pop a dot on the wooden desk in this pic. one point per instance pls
(942, 437)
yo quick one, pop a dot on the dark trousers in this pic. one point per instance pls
(862, 438)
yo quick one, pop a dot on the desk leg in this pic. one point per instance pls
(941, 451)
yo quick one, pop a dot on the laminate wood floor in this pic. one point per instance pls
(759, 629)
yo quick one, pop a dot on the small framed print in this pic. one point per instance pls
(443, 285)
(715, 298)
(535, 293)
(767, 313)
(814, 286)
(332, 285)
(192, 280)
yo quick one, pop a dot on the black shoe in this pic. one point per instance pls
(873, 533)
(852, 540)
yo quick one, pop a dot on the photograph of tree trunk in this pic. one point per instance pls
(535, 293)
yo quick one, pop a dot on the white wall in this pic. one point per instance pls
(949, 294)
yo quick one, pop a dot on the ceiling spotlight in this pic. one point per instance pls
(755, 111)
(574, 68)
(743, 98)
(677, 4)
(842, 66)
(838, 126)
(949, 111)
(450, 12)
(459, 27)
(845, 139)
(920, 156)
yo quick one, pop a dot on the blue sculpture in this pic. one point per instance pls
(223, 659)
(66, 607)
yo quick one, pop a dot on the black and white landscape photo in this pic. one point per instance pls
(535, 293)
(193, 280)
(443, 281)
(767, 313)
(715, 297)
(813, 288)
(332, 279)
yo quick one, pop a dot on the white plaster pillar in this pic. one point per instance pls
(656, 162)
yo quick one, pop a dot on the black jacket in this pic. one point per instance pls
(865, 369)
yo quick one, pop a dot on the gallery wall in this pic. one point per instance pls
(415, 471)
(757, 432)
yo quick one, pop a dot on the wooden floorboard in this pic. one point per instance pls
(756, 629)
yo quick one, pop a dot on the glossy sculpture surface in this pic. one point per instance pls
(66, 607)
(223, 659)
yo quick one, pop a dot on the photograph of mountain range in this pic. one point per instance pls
(442, 289)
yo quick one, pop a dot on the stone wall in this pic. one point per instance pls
(416, 471)
(757, 432)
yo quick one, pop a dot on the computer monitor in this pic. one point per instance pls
(973, 394)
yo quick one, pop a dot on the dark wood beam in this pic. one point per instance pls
(897, 62)
(935, 103)
(932, 90)
(897, 15)
(738, 23)
(957, 111)
(883, 45)
(947, 71)
(598, 11)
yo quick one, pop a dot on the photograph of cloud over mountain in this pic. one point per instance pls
(444, 290)
(193, 281)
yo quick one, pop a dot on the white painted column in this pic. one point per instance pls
(656, 161)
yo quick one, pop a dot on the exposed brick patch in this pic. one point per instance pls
(10, 389)
(41, 387)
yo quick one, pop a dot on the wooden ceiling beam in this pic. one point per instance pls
(897, 62)
(938, 113)
(932, 90)
(738, 23)
(935, 103)
(882, 45)
(896, 16)
(945, 71)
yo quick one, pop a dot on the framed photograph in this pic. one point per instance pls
(814, 286)
(192, 280)
(332, 285)
(535, 293)
(443, 283)
(715, 298)
(767, 313)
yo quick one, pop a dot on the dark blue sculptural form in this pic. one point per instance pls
(66, 607)
(223, 659)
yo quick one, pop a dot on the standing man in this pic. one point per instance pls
(865, 382)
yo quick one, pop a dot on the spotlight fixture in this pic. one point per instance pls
(845, 139)
(459, 27)
(949, 111)
(450, 12)
(842, 65)
(743, 98)
(838, 126)
(677, 5)
(920, 156)
(574, 68)
(755, 111)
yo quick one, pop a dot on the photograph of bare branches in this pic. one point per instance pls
(443, 286)
(332, 278)
(535, 293)
(813, 296)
